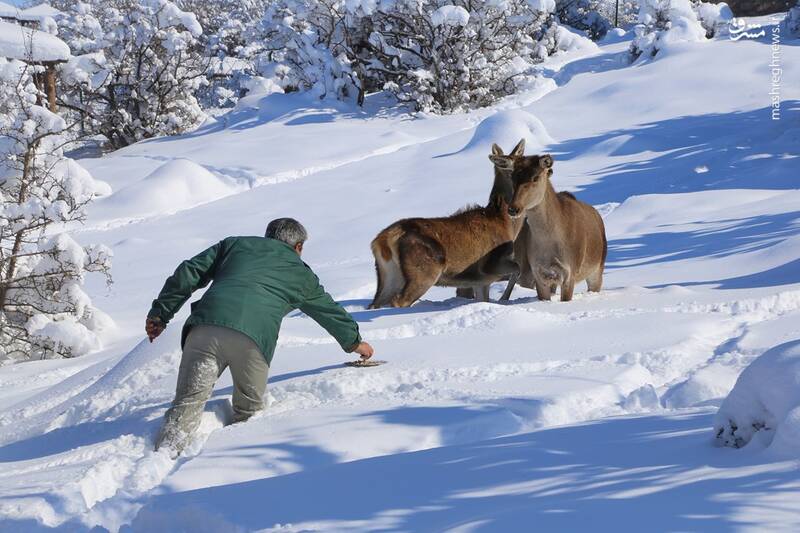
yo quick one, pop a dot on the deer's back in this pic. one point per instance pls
(463, 238)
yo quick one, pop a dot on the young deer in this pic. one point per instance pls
(497, 264)
(564, 240)
(470, 248)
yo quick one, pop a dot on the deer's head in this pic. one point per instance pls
(530, 177)
(503, 188)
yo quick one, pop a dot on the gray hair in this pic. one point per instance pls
(287, 230)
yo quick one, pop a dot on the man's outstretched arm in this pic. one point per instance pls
(192, 274)
(319, 305)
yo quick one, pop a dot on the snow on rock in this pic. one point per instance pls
(450, 16)
(173, 186)
(506, 128)
(765, 403)
(18, 42)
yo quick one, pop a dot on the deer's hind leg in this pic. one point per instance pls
(422, 262)
(595, 280)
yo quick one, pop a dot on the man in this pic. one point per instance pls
(256, 282)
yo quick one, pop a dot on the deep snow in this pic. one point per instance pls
(487, 417)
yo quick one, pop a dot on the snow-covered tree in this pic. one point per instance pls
(663, 22)
(584, 15)
(308, 45)
(136, 68)
(626, 12)
(43, 310)
(226, 27)
(714, 17)
(444, 56)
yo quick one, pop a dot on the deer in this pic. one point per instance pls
(563, 241)
(497, 264)
(471, 248)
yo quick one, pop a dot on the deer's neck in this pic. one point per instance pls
(543, 212)
(509, 227)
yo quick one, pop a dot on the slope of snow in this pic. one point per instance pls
(487, 417)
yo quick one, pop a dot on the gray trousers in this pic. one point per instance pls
(208, 351)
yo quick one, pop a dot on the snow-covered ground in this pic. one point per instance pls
(596, 413)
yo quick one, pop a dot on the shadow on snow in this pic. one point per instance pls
(648, 473)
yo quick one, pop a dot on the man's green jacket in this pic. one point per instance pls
(257, 281)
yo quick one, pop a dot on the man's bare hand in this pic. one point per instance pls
(153, 327)
(364, 350)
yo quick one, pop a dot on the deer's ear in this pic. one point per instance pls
(502, 161)
(519, 149)
(546, 161)
(496, 150)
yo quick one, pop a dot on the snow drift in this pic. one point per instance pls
(175, 185)
(506, 128)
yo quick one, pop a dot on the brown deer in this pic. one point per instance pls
(497, 264)
(471, 248)
(564, 240)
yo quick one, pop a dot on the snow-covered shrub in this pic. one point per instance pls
(713, 17)
(226, 25)
(584, 15)
(136, 68)
(765, 402)
(43, 310)
(792, 21)
(662, 23)
(308, 45)
(443, 56)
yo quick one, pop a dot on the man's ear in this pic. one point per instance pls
(502, 161)
(546, 161)
(496, 150)
(519, 149)
(298, 248)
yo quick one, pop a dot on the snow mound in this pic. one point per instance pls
(568, 41)
(506, 128)
(709, 384)
(176, 185)
(766, 402)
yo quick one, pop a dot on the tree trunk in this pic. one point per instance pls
(50, 86)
